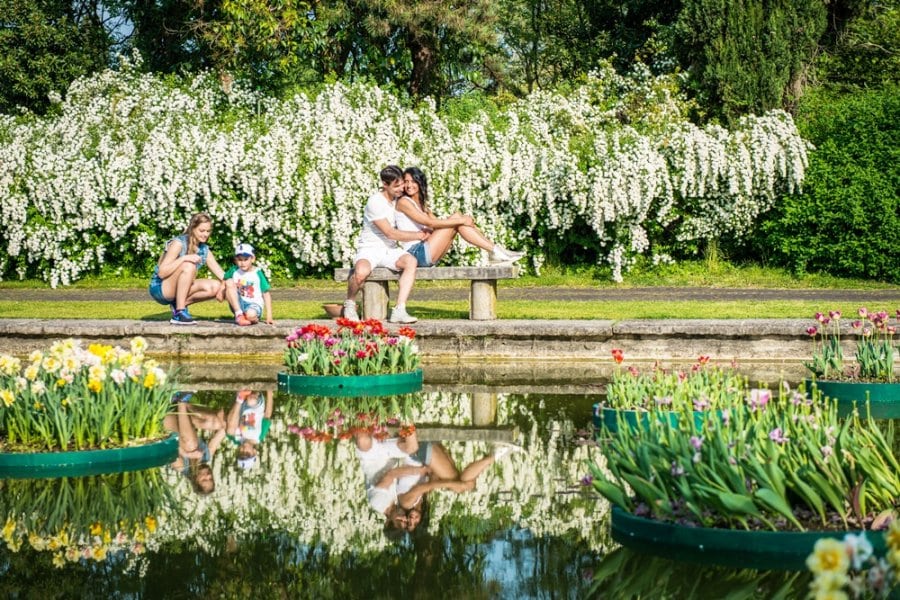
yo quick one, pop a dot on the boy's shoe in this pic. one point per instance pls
(349, 311)
(242, 320)
(501, 255)
(399, 315)
(182, 317)
(503, 449)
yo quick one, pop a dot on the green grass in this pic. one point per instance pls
(703, 274)
(507, 309)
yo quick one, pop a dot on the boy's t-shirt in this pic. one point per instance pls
(252, 424)
(251, 285)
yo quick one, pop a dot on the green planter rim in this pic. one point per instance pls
(351, 385)
(883, 398)
(607, 418)
(769, 550)
(35, 465)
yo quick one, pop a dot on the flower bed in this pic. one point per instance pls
(788, 463)
(359, 358)
(74, 398)
(874, 347)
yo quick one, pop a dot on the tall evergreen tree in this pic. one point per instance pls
(748, 55)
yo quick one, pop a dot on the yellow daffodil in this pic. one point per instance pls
(96, 528)
(892, 536)
(50, 364)
(59, 560)
(97, 372)
(98, 553)
(31, 372)
(150, 364)
(95, 385)
(72, 554)
(9, 529)
(150, 379)
(99, 350)
(829, 555)
(150, 523)
(36, 356)
(9, 365)
(36, 541)
(7, 397)
(138, 345)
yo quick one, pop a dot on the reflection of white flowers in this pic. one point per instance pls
(316, 492)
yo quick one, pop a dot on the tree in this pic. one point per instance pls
(748, 55)
(862, 45)
(44, 45)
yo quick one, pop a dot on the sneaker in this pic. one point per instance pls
(399, 315)
(503, 449)
(242, 320)
(182, 317)
(501, 255)
(350, 310)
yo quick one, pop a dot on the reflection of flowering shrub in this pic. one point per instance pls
(701, 387)
(355, 348)
(874, 347)
(850, 564)
(75, 398)
(87, 518)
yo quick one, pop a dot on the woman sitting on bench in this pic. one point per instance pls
(414, 215)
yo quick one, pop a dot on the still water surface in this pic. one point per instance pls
(297, 523)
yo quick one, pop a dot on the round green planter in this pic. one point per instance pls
(36, 465)
(351, 385)
(608, 418)
(883, 398)
(777, 550)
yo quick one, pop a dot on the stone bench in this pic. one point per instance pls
(482, 294)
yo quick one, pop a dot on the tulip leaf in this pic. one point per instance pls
(772, 500)
(737, 503)
(809, 495)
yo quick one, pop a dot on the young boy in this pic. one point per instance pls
(377, 246)
(248, 424)
(247, 288)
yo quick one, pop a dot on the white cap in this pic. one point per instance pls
(244, 249)
(247, 463)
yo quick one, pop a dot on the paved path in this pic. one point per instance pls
(507, 292)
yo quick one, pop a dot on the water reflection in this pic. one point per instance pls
(495, 523)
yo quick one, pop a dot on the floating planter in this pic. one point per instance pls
(608, 418)
(351, 385)
(35, 465)
(883, 398)
(782, 550)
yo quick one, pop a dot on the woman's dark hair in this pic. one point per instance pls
(419, 177)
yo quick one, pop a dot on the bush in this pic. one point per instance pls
(847, 220)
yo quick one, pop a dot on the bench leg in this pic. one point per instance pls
(483, 300)
(375, 300)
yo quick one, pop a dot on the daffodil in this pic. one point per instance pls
(7, 397)
(95, 385)
(138, 345)
(59, 560)
(829, 555)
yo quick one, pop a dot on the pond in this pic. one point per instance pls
(295, 521)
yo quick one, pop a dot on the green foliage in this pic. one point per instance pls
(863, 49)
(847, 220)
(44, 45)
(747, 58)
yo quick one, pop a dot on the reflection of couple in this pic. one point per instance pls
(400, 472)
(401, 233)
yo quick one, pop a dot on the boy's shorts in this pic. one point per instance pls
(156, 291)
(421, 254)
(380, 257)
(248, 306)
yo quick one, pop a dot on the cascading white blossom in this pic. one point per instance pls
(130, 156)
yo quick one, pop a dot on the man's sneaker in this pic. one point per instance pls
(399, 315)
(182, 317)
(242, 320)
(503, 449)
(501, 255)
(350, 310)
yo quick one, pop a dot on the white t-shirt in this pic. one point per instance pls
(378, 207)
(404, 223)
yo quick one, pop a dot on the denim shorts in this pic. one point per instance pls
(421, 253)
(156, 291)
(245, 306)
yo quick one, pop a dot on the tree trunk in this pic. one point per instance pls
(423, 60)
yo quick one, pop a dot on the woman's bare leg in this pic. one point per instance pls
(407, 264)
(439, 242)
(442, 466)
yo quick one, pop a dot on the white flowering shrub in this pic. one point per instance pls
(129, 156)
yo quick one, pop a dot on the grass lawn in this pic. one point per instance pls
(692, 274)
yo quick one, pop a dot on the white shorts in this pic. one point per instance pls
(380, 257)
